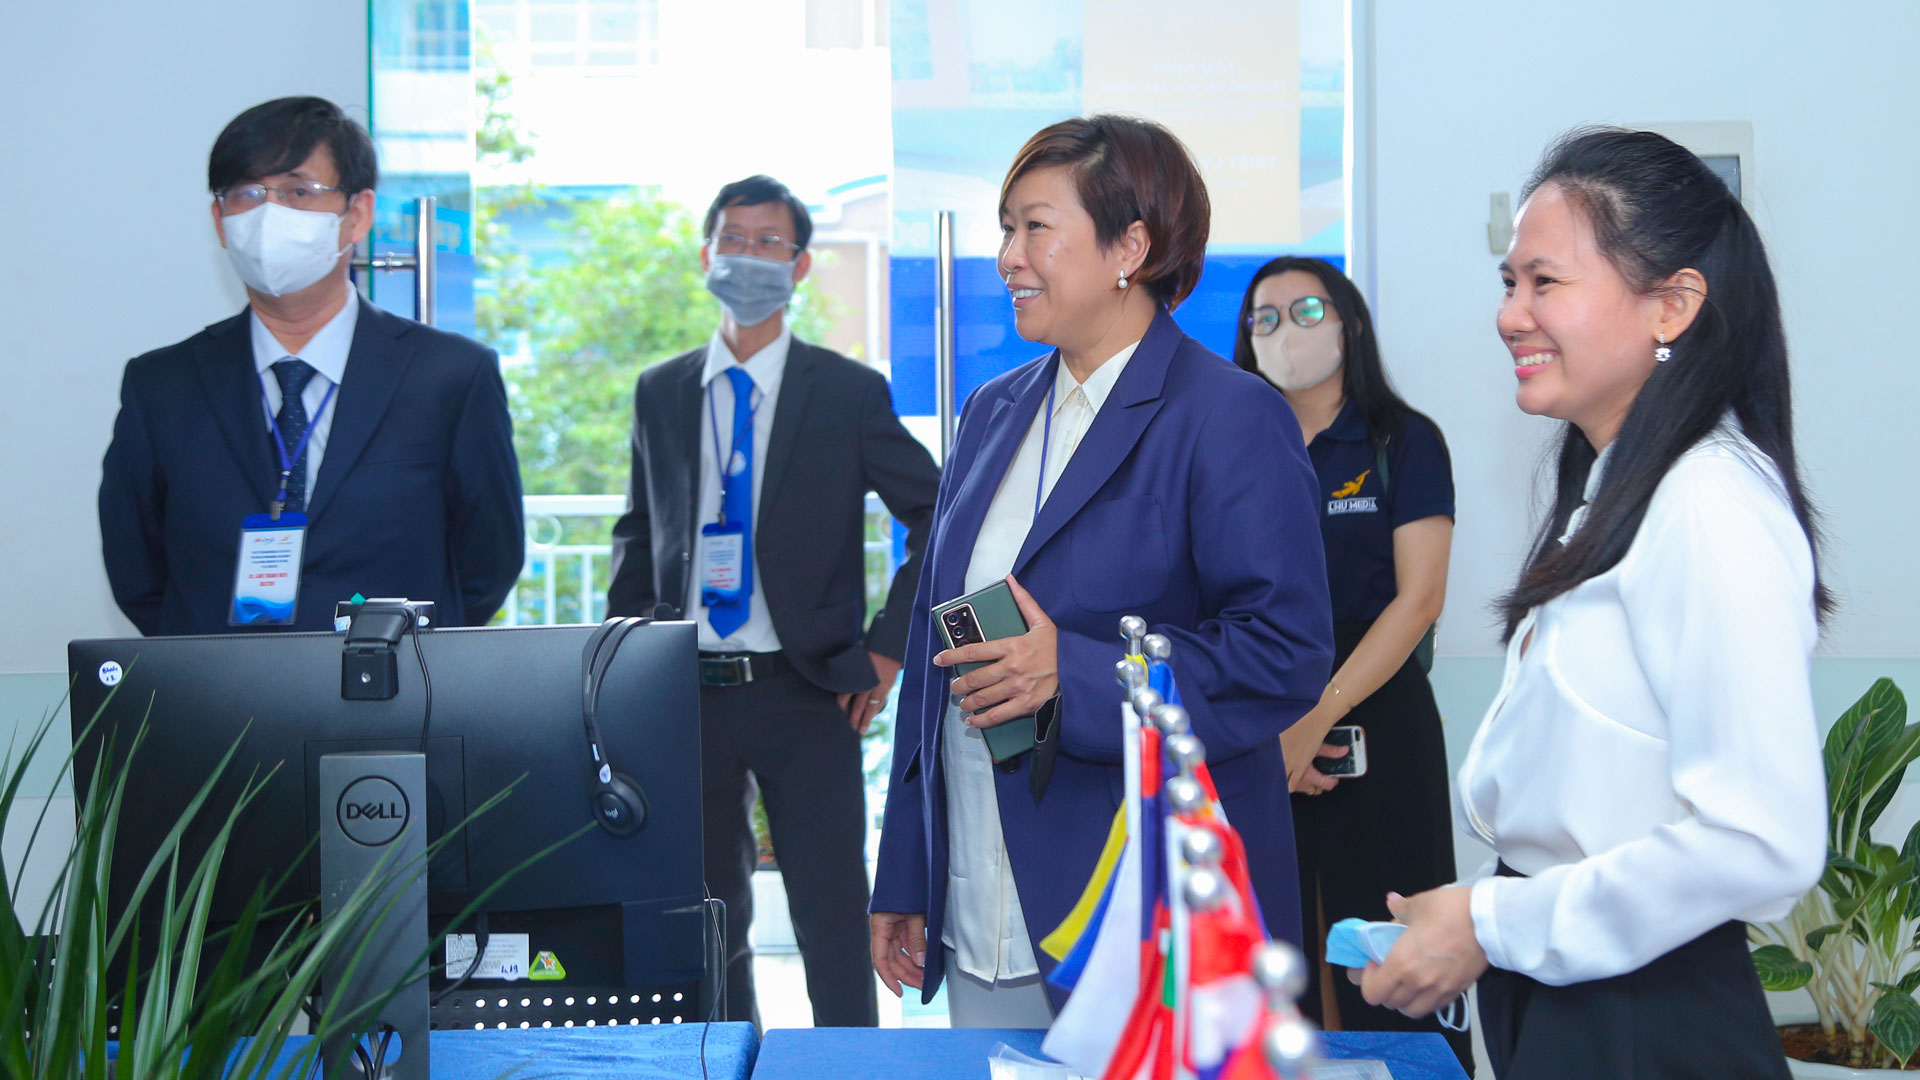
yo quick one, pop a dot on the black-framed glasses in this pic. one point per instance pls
(765, 245)
(1306, 312)
(299, 194)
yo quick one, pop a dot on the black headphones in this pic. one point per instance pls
(616, 800)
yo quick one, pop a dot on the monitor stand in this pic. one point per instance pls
(371, 809)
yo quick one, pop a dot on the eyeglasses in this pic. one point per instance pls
(298, 194)
(1305, 312)
(766, 246)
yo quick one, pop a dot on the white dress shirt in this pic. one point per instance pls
(1652, 762)
(327, 354)
(766, 368)
(985, 927)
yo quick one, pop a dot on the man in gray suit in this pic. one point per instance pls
(767, 555)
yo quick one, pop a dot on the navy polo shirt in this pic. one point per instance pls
(1358, 512)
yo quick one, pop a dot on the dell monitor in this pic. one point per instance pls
(622, 914)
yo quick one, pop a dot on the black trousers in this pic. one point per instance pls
(1390, 830)
(789, 738)
(1698, 1011)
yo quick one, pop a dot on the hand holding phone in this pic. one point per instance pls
(996, 613)
(1350, 764)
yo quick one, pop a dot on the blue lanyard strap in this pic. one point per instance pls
(1046, 436)
(289, 460)
(720, 461)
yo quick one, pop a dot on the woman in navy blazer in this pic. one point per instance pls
(1189, 501)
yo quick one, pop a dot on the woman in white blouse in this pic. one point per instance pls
(1650, 771)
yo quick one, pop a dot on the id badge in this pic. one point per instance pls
(266, 585)
(723, 550)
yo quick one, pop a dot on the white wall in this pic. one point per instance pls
(1465, 98)
(108, 251)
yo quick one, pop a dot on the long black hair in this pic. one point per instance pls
(1363, 377)
(1656, 209)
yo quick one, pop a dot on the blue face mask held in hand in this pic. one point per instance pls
(1355, 943)
(749, 287)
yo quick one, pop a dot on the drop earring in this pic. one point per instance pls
(1663, 354)
(1123, 279)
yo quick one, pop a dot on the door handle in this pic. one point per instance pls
(422, 261)
(943, 350)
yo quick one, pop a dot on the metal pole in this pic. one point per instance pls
(943, 332)
(424, 255)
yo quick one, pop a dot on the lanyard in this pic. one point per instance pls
(720, 463)
(1046, 436)
(289, 461)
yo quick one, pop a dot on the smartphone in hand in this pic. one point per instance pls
(987, 615)
(1351, 764)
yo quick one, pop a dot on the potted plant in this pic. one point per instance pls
(1853, 941)
(180, 1017)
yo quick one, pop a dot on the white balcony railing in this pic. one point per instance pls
(569, 558)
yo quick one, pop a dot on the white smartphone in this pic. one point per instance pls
(1354, 761)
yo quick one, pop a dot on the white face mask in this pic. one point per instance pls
(1294, 357)
(279, 250)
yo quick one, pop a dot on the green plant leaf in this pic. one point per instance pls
(1818, 936)
(1910, 982)
(1910, 849)
(1896, 1023)
(1779, 969)
(1864, 905)
(1863, 733)
(1882, 772)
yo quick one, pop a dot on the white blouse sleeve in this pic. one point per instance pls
(1718, 595)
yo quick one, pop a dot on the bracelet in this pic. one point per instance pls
(1335, 687)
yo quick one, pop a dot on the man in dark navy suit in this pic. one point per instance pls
(377, 450)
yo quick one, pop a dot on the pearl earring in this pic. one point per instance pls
(1663, 354)
(1123, 279)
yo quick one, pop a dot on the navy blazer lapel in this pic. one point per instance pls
(1122, 420)
(1006, 427)
(796, 384)
(376, 363)
(232, 385)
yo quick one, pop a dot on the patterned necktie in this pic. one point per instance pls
(736, 502)
(294, 374)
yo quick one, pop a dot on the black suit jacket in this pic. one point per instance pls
(418, 493)
(835, 437)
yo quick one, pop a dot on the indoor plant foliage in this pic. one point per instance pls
(199, 1004)
(1853, 940)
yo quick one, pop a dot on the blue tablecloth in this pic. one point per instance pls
(943, 1054)
(647, 1052)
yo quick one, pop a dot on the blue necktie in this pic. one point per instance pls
(736, 502)
(294, 374)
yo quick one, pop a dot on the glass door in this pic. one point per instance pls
(421, 65)
(1255, 88)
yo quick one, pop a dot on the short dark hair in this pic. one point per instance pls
(753, 191)
(1127, 170)
(277, 136)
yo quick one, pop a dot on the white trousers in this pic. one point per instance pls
(1012, 1003)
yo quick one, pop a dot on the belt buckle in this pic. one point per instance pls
(726, 670)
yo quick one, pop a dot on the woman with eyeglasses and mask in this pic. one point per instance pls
(1385, 503)
(1113, 476)
(1649, 775)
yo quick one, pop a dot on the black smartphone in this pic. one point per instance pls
(987, 615)
(1351, 764)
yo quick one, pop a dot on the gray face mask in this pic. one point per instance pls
(752, 289)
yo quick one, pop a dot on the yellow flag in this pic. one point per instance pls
(1059, 943)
